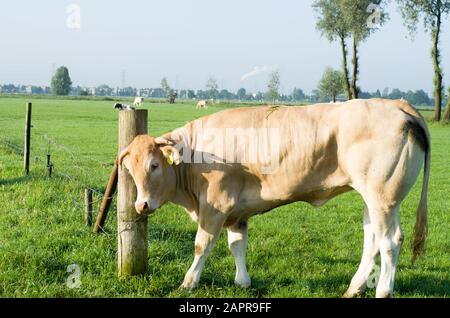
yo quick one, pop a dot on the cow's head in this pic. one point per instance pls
(150, 162)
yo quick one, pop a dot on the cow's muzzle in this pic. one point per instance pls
(143, 208)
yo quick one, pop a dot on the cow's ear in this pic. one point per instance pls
(169, 152)
(123, 155)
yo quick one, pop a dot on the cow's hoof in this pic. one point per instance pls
(184, 287)
(188, 285)
(243, 283)
(350, 293)
(384, 294)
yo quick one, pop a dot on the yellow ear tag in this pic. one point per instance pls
(170, 159)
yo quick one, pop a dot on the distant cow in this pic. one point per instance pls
(138, 101)
(120, 106)
(375, 147)
(172, 97)
(202, 104)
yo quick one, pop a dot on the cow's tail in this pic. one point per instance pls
(422, 136)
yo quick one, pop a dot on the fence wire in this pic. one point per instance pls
(69, 164)
(11, 145)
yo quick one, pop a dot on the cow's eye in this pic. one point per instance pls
(154, 165)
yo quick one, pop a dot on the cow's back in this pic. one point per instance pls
(312, 159)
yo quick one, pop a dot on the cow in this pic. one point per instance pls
(172, 97)
(202, 104)
(138, 101)
(120, 106)
(376, 147)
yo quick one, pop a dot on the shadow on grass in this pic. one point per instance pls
(184, 252)
(335, 261)
(14, 181)
(328, 284)
(419, 285)
(428, 286)
(181, 243)
(215, 282)
(262, 286)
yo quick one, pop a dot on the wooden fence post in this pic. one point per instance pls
(88, 206)
(107, 199)
(26, 151)
(131, 227)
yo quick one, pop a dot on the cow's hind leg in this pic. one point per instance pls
(237, 241)
(386, 237)
(204, 243)
(389, 236)
(370, 252)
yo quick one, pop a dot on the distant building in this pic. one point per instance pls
(46, 89)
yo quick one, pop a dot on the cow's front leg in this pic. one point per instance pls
(237, 241)
(204, 243)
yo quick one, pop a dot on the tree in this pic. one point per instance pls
(341, 19)
(37, 90)
(433, 13)
(419, 97)
(226, 95)
(157, 93)
(273, 86)
(333, 27)
(447, 109)
(212, 88)
(315, 96)
(165, 87)
(83, 92)
(201, 94)
(396, 94)
(104, 90)
(61, 81)
(362, 18)
(298, 94)
(241, 93)
(128, 91)
(331, 84)
(190, 94)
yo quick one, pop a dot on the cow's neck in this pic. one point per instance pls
(185, 194)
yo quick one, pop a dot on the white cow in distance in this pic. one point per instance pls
(138, 101)
(202, 104)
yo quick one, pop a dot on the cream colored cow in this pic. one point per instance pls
(138, 101)
(202, 104)
(232, 165)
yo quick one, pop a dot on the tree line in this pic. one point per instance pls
(324, 92)
(345, 21)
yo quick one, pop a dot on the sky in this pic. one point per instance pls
(237, 41)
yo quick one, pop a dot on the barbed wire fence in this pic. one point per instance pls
(68, 163)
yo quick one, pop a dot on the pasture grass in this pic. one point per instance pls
(294, 251)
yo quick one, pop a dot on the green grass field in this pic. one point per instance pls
(294, 251)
